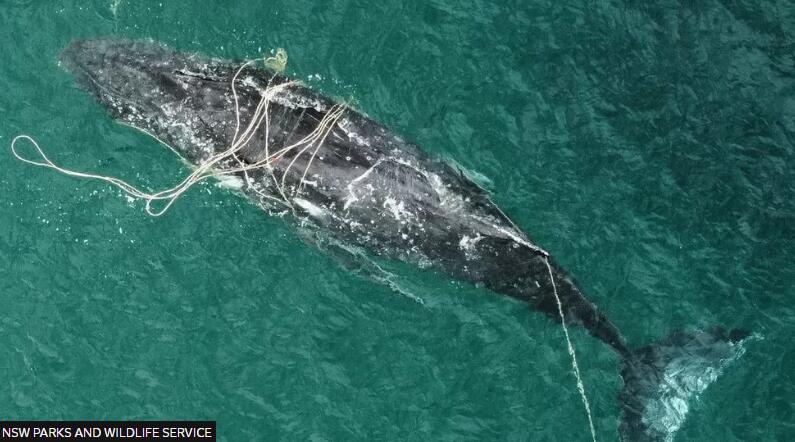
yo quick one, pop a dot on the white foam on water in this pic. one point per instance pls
(230, 182)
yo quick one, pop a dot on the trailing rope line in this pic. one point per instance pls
(574, 366)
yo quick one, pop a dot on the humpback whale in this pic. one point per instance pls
(358, 186)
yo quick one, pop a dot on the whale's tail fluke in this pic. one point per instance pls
(662, 378)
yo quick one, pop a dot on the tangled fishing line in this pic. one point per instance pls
(310, 143)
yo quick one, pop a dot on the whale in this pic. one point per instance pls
(363, 190)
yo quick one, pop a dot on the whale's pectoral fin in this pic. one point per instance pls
(661, 379)
(355, 261)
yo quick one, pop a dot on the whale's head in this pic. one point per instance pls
(184, 100)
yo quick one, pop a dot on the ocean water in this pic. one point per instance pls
(650, 148)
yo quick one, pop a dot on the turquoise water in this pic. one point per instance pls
(649, 148)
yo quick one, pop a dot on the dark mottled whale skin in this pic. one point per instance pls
(371, 189)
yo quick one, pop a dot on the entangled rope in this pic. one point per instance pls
(314, 140)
